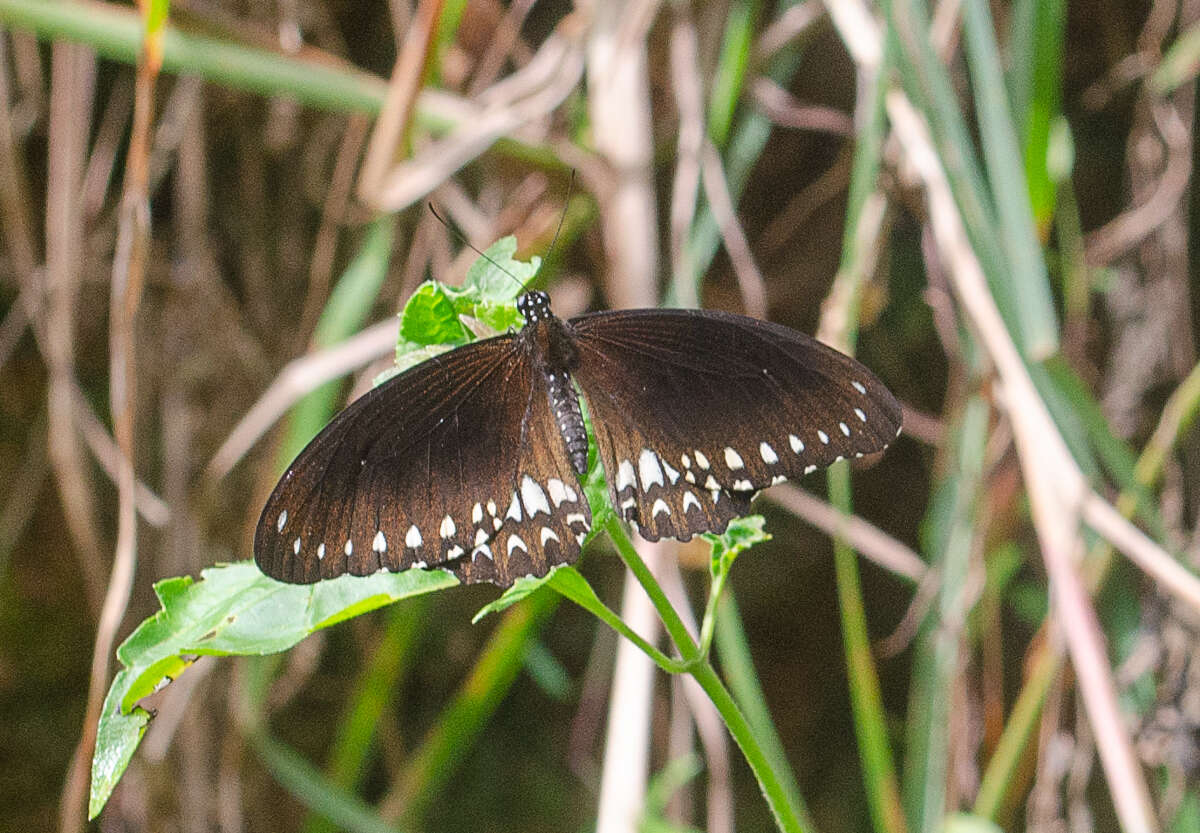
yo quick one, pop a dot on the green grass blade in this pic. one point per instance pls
(951, 525)
(347, 309)
(866, 700)
(459, 725)
(372, 695)
(1006, 175)
(308, 785)
(733, 650)
(729, 80)
(115, 32)
(1035, 42)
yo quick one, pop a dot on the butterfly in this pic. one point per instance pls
(470, 461)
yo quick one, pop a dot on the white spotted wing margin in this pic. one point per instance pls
(422, 471)
(695, 411)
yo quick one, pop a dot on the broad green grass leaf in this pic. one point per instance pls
(233, 609)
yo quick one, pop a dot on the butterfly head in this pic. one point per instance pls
(535, 306)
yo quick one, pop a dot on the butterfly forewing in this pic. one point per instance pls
(695, 411)
(411, 474)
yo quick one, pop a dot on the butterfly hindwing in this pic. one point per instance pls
(545, 516)
(695, 411)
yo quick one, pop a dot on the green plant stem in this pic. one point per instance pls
(697, 665)
(709, 624)
(738, 669)
(883, 795)
(676, 629)
(772, 788)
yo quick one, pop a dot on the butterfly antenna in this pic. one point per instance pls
(471, 246)
(563, 216)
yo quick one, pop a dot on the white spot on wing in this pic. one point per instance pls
(558, 491)
(777, 479)
(349, 547)
(711, 484)
(576, 518)
(454, 552)
(626, 478)
(279, 524)
(701, 460)
(447, 528)
(858, 386)
(767, 453)
(484, 550)
(858, 412)
(686, 460)
(533, 497)
(796, 443)
(477, 513)
(380, 543)
(491, 508)
(672, 474)
(514, 541)
(497, 523)
(689, 497)
(660, 508)
(809, 469)
(549, 535)
(296, 546)
(823, 437)
(649, 469)
(742, 485)
(320, 552)
(733, 459)
(514, 510)
(845, 429)
(481, 537)
(412, 538)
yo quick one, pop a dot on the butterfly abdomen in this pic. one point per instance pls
(564, 402)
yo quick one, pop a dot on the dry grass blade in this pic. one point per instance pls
(866, 539)
(520, 99)
(299, 377)
(1055, 484)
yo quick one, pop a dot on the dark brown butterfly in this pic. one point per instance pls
(470, 461)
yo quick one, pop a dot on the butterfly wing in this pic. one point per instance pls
(421, 471)
(695, 411)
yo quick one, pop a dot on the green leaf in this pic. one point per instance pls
(739, 536)
(233, 609)
(498, 276)
(520, 589)
(430, 317)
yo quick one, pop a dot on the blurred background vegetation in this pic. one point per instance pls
(210, 213)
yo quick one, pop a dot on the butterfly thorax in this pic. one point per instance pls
(555, 356)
